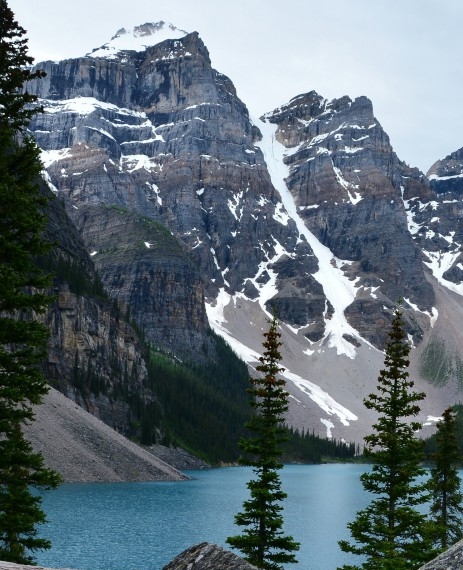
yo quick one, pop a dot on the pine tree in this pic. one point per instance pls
(262, 542)
(16, 107)
(446, 497)
(23, 340)
(20, 511)
(391, 533)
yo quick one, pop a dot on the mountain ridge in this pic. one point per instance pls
(307, 210)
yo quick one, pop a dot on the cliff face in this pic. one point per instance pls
(349, 185)
(194, 216)
(436, 222)
(93, 351)
(446, 175)
(146, 269)
(178, 148)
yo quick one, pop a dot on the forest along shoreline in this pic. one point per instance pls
(83, 449)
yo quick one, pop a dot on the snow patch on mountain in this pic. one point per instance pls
(432, 315)
(138, 39)
(268, 289)
(356, 197)
(234, 204)
(322, 398)
(217, 320)
(133, 162)
(451, 177)
(85, 106)
(339, 290)
(48, 157)
(439, 262)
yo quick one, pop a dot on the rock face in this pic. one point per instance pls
(437, 224)
(451, 559)
(446, 176)
(348, 186)
(148, 271)
(164, 136)
(206, 556)
(196, 216)
(93, 350)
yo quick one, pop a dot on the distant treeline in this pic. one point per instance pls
(204, 407)
(307, 447)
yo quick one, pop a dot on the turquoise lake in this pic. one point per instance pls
(142, 526)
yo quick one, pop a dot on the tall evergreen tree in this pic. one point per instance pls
(263, 543)
(446, 497)
(23, 340)
(20, 512)
(391, 533)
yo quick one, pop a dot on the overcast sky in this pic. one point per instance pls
(405, 55)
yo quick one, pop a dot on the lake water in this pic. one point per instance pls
(142, 526)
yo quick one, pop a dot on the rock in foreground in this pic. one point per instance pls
(451, 559)
(202, 556)
(207, 556)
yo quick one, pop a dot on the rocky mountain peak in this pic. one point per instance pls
(308, 211)
(343, 174)
(446, 175)
(138, 39)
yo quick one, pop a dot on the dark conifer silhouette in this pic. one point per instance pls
(391, 533)
(23, 340)
(262, 542)
(446, 497)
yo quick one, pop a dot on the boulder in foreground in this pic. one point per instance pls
(207, 556)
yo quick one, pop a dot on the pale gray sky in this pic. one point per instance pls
(405, 55)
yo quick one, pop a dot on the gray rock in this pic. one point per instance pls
(437, 220)
(446, 175)
(84, 449)
(451, 559)
(207, 556)
(89, 339)
(178, 458)
(201, 176)
(148, 271)
(155, 147)
(348, 184)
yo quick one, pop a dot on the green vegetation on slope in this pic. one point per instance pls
(439, 365)
(204, 407)
(436, 363)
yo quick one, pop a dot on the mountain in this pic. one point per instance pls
(99, 358)
(197, 217)
(443, 239)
